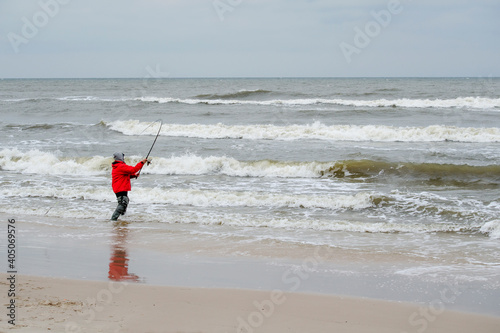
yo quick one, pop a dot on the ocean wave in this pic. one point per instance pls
(40, 162)
(33, 99)
(169, 205)
(468, 219)
(492, 229)
(459, 102)
(202, 198)
(40, 126)
(239, 94)
(428, 171)
(47, 163)
(196, 165)
(68, 99)
(428, 206)
(394, 228)
(315, 131)
(241, 98)
(28, 127)
(240, 220)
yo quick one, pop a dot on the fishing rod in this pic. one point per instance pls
(156, 138)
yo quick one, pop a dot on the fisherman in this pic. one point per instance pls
(121, 175)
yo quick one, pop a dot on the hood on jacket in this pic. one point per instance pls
(119, 156)
(115, 163)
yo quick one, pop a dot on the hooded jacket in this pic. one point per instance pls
(121, 175)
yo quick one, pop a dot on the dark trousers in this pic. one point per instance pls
(123, 201)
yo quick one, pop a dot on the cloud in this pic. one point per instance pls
(254, 38)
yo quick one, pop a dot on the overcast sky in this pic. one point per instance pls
(249, 38)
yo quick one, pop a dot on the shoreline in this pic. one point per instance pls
(50, 247)
(89, 276)
(65, 305)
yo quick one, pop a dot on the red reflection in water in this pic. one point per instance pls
(118, 264)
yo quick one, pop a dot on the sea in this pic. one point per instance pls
(392, 166)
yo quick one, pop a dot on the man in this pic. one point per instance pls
(121, 175)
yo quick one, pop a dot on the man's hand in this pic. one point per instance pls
(144, 161)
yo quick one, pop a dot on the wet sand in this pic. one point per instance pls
(64, 305)
(114, 278)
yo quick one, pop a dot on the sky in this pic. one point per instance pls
(249, 38)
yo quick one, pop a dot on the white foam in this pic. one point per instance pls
(158, 201)
(200, 198)
(492, 229)
(215, 198)
(39, 162)
(459, 102)
(424, 270)
(208, 208)
(315, 131)
(196, 165)
(471, 102)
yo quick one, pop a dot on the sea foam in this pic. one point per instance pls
(459, 102)
(39, 162)
(315, 131)
(202, 198)
(48, 163)
(242, 98)
(492, 229)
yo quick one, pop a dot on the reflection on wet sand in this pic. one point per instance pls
(118, 264)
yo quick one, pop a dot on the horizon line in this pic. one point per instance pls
(249, 77)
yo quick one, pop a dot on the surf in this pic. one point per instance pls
(52, 163)
(251, 97)
(314, 131)
(480, 103)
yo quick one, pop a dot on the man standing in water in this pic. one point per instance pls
(121, 175)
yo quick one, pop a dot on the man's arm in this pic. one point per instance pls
(137, 168)
(131, 170)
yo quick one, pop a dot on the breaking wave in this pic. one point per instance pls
(47, 163)
(242, 98)
(240, 94)
(177, 199)
(316, 131)
(203, 198)
(491, 229)
(460, 102)
(427, 171)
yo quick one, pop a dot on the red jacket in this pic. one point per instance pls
(121, 175)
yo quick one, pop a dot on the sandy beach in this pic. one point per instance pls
(240, 166)
(65, 305)
(115, 277)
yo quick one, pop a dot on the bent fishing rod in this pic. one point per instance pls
(156, 138)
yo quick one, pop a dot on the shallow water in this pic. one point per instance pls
(397, 167)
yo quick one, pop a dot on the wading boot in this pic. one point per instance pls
(121, 208)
